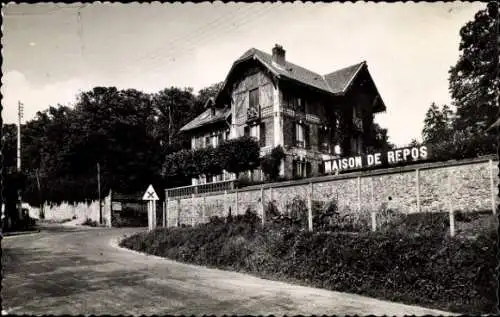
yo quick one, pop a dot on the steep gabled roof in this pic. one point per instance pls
(207, 117)
(340, 80)
(289, 70)
(336, 83)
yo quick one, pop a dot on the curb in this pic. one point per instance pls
(18, 233)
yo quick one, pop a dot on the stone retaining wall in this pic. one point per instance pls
(467, 185)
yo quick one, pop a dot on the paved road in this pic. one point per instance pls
(82, 271)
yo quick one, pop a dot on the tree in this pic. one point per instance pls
(474, 80)
(438, 124)
(270, 163)
(208, 92)
(379, 139)
(174, 108)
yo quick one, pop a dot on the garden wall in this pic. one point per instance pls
(466, 185)
(80, 211)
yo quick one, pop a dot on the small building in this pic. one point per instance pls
(314, 117)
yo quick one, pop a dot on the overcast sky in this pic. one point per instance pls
(53, 51)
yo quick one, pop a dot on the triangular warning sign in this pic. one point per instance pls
(150, 194)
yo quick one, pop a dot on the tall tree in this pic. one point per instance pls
(379, 139)
(174, 108)
(474, 80)
(438, 124)
(208, 92)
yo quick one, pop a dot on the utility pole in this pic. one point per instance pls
(19, 116)
(42, 213)
(99, 191)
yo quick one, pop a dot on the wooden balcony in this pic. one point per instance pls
(253, 114)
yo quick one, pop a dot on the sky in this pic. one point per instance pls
(51, 52)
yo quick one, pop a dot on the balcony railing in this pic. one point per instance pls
(253, 114)
(188, 191)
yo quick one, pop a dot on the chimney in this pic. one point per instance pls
(279, 55)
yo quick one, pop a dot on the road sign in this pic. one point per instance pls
(151, 197)
(150, 194)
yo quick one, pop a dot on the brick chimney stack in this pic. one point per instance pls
(279, 55)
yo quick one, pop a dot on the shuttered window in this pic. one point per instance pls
(307, 139)
(262, 134)
(254, 98)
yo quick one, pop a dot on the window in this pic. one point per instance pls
(299, 135)
(301, 105)
(207, 141)
(220, 138)
(302, 135)
(324, 139)
(254, 131)
(321, 168)
(262, 132)
(254, 98)
(301, 168)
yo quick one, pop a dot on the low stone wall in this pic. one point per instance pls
(466, 185)
(80, 211)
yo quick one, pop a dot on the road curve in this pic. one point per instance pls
(83, 271)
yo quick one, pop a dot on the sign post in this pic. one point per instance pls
(151, 196)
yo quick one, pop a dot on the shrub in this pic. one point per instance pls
(270, 163)
(446, 273)
(90, 222)
(235, 156)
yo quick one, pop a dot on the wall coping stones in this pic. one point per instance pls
(369, 173)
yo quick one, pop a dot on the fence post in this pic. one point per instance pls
(372, 202)
(165, 205)
(417, 176)
(310, 207)
(359, 194)
(192, 210)
(374, 221)
(178, 221)
(204, 210)
(492, 186)
(262, 204)
(225, 203)
(236, 207)
(450, 206)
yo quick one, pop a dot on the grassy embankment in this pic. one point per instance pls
(412, 260)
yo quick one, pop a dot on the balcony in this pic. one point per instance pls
(253, 114)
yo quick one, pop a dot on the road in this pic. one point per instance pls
(83, 271)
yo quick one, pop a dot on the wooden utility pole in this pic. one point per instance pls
(99, 191)
(19, 116)
(42, 214)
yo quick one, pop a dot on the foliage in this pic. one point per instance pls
(446, 273)
(239, 155)
(127, 132)
(270, 163)
(438, 124)
(474, 79)
(462, 146)
(378, 139)
(211, 161)
(89, 222)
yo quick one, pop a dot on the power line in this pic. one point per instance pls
(195, 34)
(249, 18)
